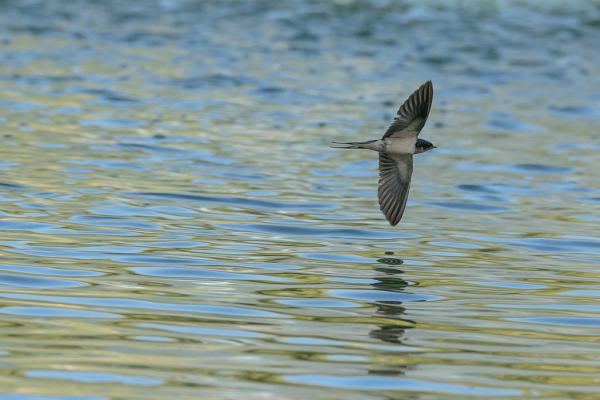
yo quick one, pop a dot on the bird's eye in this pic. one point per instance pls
(423, 144)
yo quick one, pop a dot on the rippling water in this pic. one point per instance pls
(174, 223)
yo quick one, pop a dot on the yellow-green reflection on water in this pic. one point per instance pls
(174, 222)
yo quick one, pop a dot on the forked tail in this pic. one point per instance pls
(352, 145)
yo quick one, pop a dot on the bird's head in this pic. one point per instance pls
(423, 145)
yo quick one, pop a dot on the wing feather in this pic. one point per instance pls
(395, 172)
(413, 114)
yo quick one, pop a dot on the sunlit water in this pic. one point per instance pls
(174, 224)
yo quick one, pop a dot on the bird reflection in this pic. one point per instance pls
(390, 280)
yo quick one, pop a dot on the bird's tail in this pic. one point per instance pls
(351, 145)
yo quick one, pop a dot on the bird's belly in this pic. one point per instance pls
(399, 145)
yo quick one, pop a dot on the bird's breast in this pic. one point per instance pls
(400, 145)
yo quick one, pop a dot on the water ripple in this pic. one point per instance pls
(377, 295)
(122, 303)
(195, 273)
(469, 206)
(391, 383)
(175, 225)
(239, 201)
(291, 230)
(94, 377)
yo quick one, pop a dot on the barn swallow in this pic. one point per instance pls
(396, 149)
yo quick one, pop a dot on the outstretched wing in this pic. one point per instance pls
(395, 172)
(413, 114)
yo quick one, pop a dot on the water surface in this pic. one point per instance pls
(174, 223)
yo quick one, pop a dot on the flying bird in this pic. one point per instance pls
(396, 149)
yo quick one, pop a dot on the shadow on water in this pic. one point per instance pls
(390, 280)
